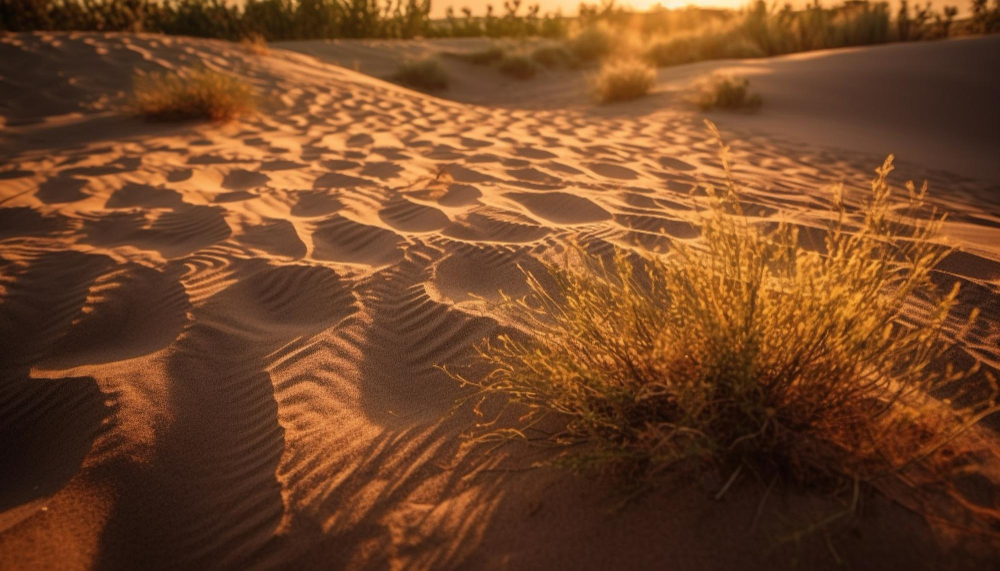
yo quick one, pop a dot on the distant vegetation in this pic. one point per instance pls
(192, 94)
(595, 42)
(518, 62)
(730, 93)
(426, 74)
(756, 30)
(674, 37)
(553, 55)
(622, 80)
(274, 20)
(486, 56)
(760, 31)
(746, 350)
(518, 66)
(598, 37)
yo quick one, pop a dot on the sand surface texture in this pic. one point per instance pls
(219, 342)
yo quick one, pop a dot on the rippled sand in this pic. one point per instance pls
(219, 343)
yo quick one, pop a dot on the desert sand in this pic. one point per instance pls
(219, 342)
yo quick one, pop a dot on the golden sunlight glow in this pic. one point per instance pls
(570, 7)
(642, 5)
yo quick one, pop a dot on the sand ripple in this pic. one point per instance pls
(220, 344)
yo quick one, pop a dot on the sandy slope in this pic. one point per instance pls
(933, 103)
(219, 342)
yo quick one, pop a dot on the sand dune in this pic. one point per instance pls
(931, 103)
(220, 342)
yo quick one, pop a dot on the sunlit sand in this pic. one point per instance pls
(220, 343)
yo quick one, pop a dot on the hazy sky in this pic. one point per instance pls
(569, 7)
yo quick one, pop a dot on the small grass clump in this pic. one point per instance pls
(427, 74)
(729, 93)
(254, 44)
(553, 55)
(518, 66)
(745, 349)
(623, 80)
(192, 94)
(486, 56)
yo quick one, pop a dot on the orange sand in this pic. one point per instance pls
(219, 342)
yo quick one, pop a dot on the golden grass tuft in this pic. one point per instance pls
(622, 80)
(254, 44)
(192, 94)
(729, 93)
(743, 349)
(426, 74)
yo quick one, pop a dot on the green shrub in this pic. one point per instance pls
(518, 66)
(742, 349)
(427, 74)
(728, 93)
(192, 94)
(624, 79)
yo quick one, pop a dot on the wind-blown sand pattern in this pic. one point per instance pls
(219, 343)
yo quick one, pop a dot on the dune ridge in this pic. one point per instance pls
(220, 342)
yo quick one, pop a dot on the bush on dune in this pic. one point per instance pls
(729, 93)
(624, 80)
(593, 43)
(254, 44)
(486, 56)
(518, 66)
(553, 55)
(427, 74)
(675, 51)
(745, 349)
(192, 94)
(709, 45)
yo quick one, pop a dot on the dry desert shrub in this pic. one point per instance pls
(254, 44)
(593, 43)
(743, 349)
(729, 93)
(486, 56)
(553, 55)
(518, 66)
(192, 94)
(709, 44)
(622, 80)
(426, 74)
